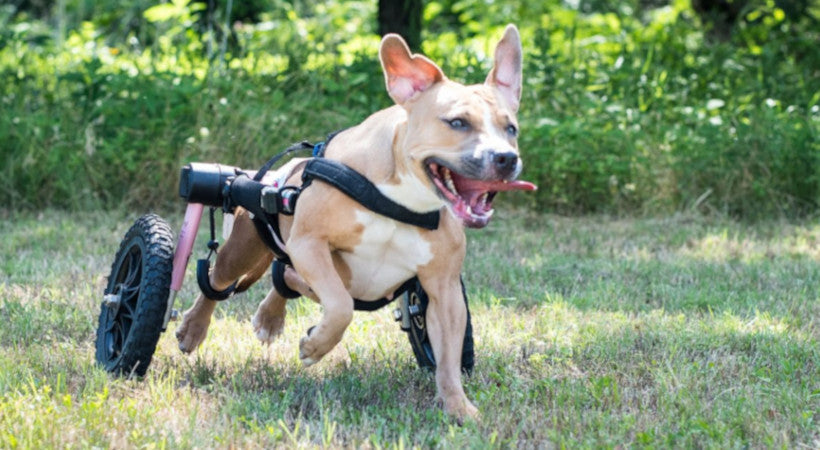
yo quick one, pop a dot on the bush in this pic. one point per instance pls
(626, 110)
(632, 118)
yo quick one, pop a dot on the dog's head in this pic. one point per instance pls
(461, 141)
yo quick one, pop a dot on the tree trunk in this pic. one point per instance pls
(402, 17)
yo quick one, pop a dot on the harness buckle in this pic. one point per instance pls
(287, 199)
(275, 200)
(269, 199)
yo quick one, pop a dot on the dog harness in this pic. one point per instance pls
(266, 202)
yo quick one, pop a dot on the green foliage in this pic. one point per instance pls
(653, 117)
(628, 107)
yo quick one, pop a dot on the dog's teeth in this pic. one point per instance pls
(449, 180)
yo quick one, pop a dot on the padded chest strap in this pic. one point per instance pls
(360, 189)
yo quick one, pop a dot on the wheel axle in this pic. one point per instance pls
(112, 300)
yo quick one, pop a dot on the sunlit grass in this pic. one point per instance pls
(591, 332)
(798, 242)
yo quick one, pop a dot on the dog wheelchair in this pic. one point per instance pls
(149, 268)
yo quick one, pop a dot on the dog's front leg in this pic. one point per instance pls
(446, 324)
(312, 259)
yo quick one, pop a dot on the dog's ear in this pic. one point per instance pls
(404, 73)
(506, 72)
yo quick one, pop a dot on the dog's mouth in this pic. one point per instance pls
(471, 200)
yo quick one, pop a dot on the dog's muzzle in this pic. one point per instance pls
(470, 199)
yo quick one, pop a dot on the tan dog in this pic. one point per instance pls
(443, 146)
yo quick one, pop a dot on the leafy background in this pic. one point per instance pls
(630, 107)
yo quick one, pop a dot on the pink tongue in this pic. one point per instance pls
(515, 186)
(465, 186)
(471, 190)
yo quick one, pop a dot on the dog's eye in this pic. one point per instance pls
(512, 130)
(458, 124)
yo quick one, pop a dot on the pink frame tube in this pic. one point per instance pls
(185, 243)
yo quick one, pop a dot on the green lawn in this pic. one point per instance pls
(590, 332)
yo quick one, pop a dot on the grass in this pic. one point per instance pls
(590, 332)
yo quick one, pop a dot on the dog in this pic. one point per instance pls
(442, 147)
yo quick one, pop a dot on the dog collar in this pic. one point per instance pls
(356, 186)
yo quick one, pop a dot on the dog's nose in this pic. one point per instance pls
(505, 162)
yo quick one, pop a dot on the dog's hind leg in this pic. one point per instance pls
(249, 278)
(243, 258)
(194, 327)
(269, 320)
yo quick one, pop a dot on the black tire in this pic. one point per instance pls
(131, 321)
(417, 334)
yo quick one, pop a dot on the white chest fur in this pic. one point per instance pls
(389, 253)
(411, 193)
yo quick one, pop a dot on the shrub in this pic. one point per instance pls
(627, 109)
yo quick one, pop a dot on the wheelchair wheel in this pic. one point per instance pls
(136, 296)
(417, 333)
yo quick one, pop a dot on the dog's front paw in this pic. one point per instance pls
(308, 352)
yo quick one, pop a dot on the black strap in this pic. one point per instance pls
(248, 194)
(265, 223)
(304, 145)
(318, 151)
(361, 305)
(277, 272)
(265, 234)
(359, 188)
(278, 275)
(203, 268)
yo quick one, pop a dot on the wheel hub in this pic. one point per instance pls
(113, 301)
